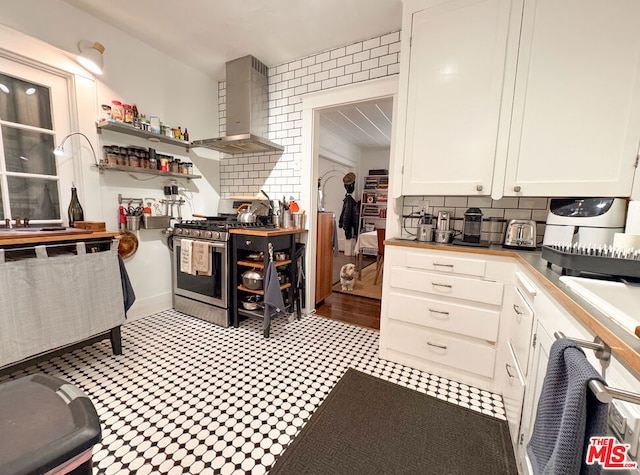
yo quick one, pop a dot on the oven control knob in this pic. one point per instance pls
(177, 231)
(208, 234)
(196, 233)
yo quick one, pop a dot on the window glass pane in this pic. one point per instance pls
(1, 206)
(26, 151)
(34, 198)
(24, 102)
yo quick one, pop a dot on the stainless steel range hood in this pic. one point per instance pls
(247, 110)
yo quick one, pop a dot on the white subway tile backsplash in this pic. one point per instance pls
(362, 56)
(533, 203)
(505, 203)
(455, 201)
(338, 52)
(353, 68)
(345, 60)
(380, 51)
(308, 61)
(517, 214)
(316, 68)
(343, 80)
(390, 38)
(361, 61)
(354, 48)
(479, 202)
(329, 64)
(322, 57)
(337, 72)
(361, 76)
(372, 43)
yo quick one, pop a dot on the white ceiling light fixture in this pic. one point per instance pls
(30, 91)
(4, 88)
(90, 56)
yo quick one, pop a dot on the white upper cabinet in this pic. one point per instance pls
(519, 97)
(458, 57)
(576, 111)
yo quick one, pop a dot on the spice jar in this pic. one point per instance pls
(134, 161)
(123, 156)
(174, 166)
(117, 111)
(111, 154)
(128, 114)
(163, 160)
(184, 168)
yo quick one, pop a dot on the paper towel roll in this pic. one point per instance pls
(626, 240)
(633, 218)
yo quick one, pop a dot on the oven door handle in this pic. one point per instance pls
(218, 244)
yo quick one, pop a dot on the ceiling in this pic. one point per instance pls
(364, 124)
(205, 34)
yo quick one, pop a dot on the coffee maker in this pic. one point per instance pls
(472, 225)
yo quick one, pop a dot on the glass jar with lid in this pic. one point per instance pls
(117, 111)
(174, 166)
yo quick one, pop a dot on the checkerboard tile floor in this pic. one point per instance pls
(190, 397)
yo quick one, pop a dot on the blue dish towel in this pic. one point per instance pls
(272, 294)
(568, 414)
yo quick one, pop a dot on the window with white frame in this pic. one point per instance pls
(29, 170)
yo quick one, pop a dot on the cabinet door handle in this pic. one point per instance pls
(517, 309)
(436, 264)
(442, 347)
(441, 312)
(508, 368)
(248, 242)
(479, 187)
(435, 284)
(517, 188)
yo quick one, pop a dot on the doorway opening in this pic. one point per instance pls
(348, 131)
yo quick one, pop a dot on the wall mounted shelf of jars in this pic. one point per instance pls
(123, 168)
(130, 130)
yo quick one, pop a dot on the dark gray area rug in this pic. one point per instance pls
(370, 426)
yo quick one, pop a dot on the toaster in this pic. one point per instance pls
(521, 234)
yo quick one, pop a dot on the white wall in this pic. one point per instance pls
(157, 84)
(373, 159)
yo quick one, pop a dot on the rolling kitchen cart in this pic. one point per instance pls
(246, 243)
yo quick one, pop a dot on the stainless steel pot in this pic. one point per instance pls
(253, 279)
(252, 303)
(443, 236)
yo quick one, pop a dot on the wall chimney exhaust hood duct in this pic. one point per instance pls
(247, 110)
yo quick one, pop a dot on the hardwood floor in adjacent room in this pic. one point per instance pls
(352, 309)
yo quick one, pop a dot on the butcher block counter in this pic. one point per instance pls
(21, 236)
(268, 232)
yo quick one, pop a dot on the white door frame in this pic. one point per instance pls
(311, 106)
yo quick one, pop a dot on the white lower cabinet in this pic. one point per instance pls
(441, 312)
(513, 385)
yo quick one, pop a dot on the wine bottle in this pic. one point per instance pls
(75, 209)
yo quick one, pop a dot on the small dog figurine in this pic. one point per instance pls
(348, 277)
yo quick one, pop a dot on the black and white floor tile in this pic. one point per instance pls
(187, 396)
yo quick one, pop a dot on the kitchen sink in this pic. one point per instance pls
(619, 300)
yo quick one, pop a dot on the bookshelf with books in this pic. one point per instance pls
(373, 210)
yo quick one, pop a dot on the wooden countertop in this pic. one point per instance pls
(625, 346)
(44, 237)
(266, 232)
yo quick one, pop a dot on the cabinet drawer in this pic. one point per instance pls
(513, 393)
(443, 348)
(439, 263)
(520, 316)
(447, 285)
(450, 317)
(259, 243)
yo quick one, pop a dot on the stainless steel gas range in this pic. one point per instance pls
(198, 294)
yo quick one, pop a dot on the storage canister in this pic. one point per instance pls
(117, 111)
